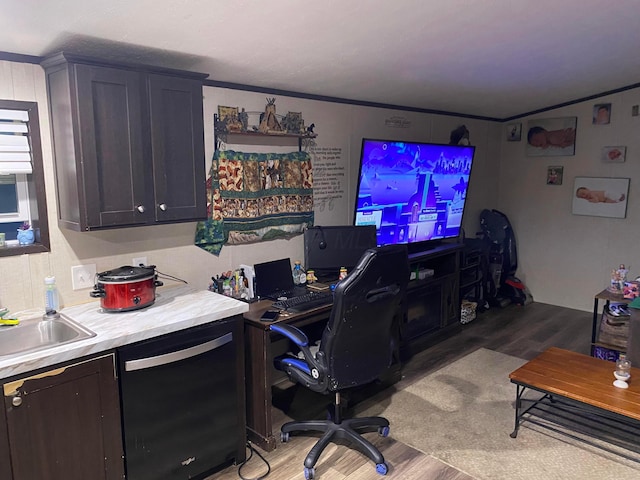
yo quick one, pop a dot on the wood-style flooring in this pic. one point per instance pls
(522, 332)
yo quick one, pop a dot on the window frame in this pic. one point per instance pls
(35, 183)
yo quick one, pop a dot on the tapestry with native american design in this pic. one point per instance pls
(252, 197)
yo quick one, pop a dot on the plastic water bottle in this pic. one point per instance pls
(299, 274)
(51, 299)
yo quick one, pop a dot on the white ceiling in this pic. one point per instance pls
(492, 58)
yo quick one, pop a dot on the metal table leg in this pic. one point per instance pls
(519, 391)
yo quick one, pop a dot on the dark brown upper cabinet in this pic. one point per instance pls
(128, 143)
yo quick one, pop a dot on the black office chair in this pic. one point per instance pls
(357, 346)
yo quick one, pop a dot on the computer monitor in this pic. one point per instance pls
(326, 249)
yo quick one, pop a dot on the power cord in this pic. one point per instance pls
(169, 277)
(251, 452)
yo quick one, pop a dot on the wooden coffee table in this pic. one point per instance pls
(578, 389)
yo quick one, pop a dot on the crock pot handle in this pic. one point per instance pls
(158, 283)
(97, 293)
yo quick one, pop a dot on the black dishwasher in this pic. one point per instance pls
(182, 401)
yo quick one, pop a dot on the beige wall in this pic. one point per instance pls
(170, 247)
(563, 258)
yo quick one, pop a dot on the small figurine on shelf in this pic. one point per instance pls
(311, 277)
(268, 121)
(343, 273)
(243, 116)
(618, 279)
(293, 122)
(26, 235)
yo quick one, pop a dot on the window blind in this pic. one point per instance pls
(15, 152)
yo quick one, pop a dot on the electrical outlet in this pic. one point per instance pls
(83, 276)
(137, 261)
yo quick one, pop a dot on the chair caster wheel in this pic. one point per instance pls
(382, 468)
(284, 437)
(309, 473)
(383, 431)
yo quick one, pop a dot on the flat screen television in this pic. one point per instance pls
(413, 192)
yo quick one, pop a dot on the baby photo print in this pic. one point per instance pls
(600, 197)
(547, 137)
(614, 154)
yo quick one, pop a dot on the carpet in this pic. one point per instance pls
(463, 414)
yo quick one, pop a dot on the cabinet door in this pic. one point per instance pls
(5, 459)
(177, 142)
(65, 423)
(115, 169)
(450, 300)
(424, 310)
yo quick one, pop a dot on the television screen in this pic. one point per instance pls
(412, 191)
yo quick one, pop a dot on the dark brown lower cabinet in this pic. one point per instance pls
(5, 459)
(433, 302)
(64, 424)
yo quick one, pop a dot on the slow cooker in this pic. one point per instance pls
(126, 288)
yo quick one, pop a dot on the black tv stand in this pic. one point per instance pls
(423, 248)
(433, 296)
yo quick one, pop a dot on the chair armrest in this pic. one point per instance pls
(311, 371)
(292, 333)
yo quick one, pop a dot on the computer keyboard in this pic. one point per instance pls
(307, 301)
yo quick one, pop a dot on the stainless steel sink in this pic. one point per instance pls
(40, 333)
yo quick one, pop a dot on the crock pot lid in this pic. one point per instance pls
(126, 273)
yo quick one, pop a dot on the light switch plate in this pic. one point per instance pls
(83, 276)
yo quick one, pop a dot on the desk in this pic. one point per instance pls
(259, 366)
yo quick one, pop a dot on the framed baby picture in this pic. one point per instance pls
(514, 132)
(601, 113)
(548, 137)
(554, 175)
(600, 197)
(614, 154)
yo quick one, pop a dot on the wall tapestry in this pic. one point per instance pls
(252, 197)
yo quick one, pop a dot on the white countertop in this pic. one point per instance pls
(175, 308)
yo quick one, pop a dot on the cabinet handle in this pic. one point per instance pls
(172, 357)
(16, 401)
(163, 207)
(140, 208)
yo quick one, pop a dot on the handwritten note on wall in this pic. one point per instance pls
(329, 177)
